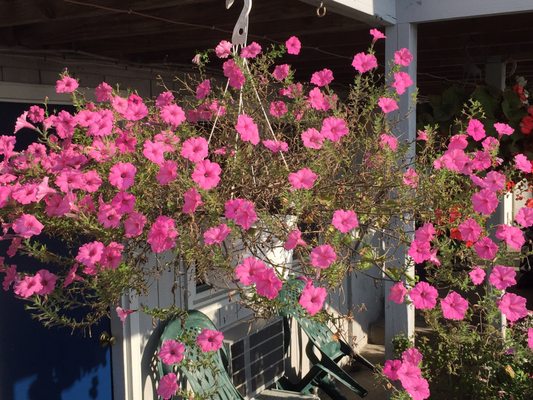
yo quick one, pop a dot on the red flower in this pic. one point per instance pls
(526, 125)
(455, 234)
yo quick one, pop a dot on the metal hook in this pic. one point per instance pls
(240, 32)
(321, 10)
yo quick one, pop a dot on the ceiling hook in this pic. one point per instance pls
(321, 10)
(240, 32)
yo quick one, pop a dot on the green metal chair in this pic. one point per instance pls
(325, 371)
(204, 380)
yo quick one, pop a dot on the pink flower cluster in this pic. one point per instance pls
(252, 271)
(407, 371)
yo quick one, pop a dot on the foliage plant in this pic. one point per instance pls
(223, 174)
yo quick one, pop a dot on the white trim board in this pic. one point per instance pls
(379, 12)
(419, 11)
(13, 92)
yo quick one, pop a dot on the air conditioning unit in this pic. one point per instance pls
(256, 354)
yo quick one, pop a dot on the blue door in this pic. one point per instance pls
(37, 363)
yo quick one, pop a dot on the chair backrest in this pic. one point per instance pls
(318, 332)
(203, 380)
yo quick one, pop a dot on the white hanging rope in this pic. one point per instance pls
(265, 113)
(218, 115)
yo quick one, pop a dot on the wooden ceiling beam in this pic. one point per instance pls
(126, 25)
(24, 12)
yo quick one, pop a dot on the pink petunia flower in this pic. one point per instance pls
(522, 163)
(168, 171)
(192, 200)
(123, 313)
(334, 128)
(397, 293)
(171, 352)
(312, 298)
(390, 369)
(317, 100)
(247, 129)
(10, 277)
(403, 57)
(36, 114)
(530, 338)
(470, 230)
(410, 178)
(502, 277)
(412, 356)
(267, 284)
(241, 211)
(206, 174)
(376, 35)
(424, 296)
(168, 386)
(402, 81)
(454, 306)
(71, 276)
(419, 251)
(513, 236)
(322, 78)
(47, 280)
(408, 373)
(425, 233)
(323, 256)
(108, 215)
(486, 248)
(477, 275)
(476, 130)
(122, 175)
(418, 388)
(27, 286)
(66, 84)
(278, 109)
(103, 92)
(312, 139)
(294, 239)
(162, 235)
(112, 256)
(345, 220)
(123, 202)
(387, 105)
(173, 115)
(485, 202)
(90, 254)
(249, 269)
(363, 62)
(525, 217)
(281, 72)
(134, 225)
(195, 149)
(293, 45)
(388, 141)
(216, 234)
(154, 151)
(422, 135)
(302, 179)
(251, 51)
(223, 49)
(203, 89)
(234, 74)
(164, 99)
(503, 129)
(276, 146)
(513, 306)
(209, 340)
(27, 226)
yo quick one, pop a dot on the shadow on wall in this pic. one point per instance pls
(37, 363)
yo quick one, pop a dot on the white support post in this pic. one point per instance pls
(400, 318)
(495, 77)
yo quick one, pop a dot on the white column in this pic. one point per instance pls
(400, 318)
